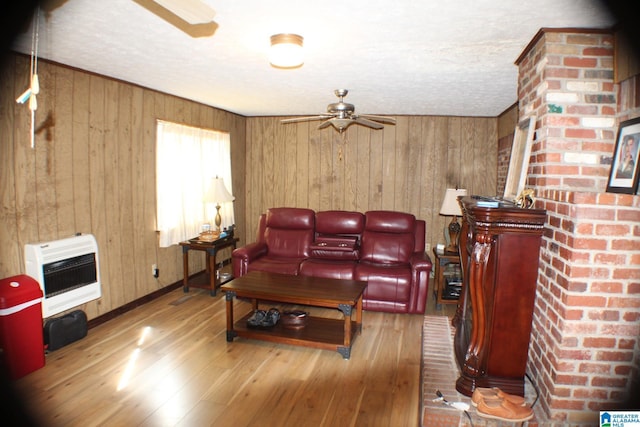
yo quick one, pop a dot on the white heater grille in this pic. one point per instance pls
(67, 271)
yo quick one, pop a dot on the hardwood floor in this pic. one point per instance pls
(167, 363)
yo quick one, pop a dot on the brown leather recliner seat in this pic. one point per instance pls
(390, 261)
(284, 238)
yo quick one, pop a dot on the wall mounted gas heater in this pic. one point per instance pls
(67, 270)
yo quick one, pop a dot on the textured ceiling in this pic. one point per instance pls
(403, 57)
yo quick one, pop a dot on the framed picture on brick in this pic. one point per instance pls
(519, 159)
(623, 177)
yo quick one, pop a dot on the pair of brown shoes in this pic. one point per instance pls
(495, 403)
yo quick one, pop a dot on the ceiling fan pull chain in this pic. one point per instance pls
(344, 144)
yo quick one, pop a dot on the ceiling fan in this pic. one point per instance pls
(341, 115)
(192, 11)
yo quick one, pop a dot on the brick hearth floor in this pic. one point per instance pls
(440, 372)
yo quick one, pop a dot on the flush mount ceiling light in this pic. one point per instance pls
(286, 51)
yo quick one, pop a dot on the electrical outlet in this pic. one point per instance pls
(155, 271)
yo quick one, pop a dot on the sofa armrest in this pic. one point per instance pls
(420, 261)
(242, 257)
(420, 270)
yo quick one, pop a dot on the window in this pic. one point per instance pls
(187, 159)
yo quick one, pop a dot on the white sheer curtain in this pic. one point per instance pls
(187, 159)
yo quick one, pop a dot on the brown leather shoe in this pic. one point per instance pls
(494, 393)
(503, 410)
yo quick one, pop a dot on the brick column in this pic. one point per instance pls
(584, 354)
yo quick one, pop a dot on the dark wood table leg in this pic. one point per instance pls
(185, 267)
(345, 350)
(359, 306)
(231, 334)
(211, 266)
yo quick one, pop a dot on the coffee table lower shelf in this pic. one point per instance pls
(320, 332)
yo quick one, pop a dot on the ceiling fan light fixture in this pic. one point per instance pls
(286, 51)
(341, 124)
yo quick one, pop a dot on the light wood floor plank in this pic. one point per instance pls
(181, 371)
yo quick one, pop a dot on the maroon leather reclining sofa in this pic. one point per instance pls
(385, 248)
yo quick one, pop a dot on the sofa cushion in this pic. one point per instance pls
(388, 237)
(289, 232)
(290, 218)
(288, 243)
(386, 283)
(385, 248)
(289, 266)
(389, 222)
(339, 222)
(328, 269)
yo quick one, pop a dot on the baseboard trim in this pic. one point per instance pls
(131, 305)
(141, 301)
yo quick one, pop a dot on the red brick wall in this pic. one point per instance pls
(567, 82)
(585, 353)
(584, 348)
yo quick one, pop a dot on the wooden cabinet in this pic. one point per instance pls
(499, 249)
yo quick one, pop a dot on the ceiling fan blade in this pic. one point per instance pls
(192, 11)
(382, 119)
(305, 119)
(369, 123)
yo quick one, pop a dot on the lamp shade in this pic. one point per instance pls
(450, 205)
(217, 192)
(286, 51)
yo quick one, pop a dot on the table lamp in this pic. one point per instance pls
(218, 193)
(451, 207)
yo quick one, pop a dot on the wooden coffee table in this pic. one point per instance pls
(320, 332)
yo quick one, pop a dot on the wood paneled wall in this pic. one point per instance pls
(406, 167)
(93, 171)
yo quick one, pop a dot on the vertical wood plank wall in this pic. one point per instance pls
(93, 171)
(406, 167)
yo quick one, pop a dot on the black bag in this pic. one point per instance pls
(64, 330)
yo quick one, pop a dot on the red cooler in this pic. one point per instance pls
(21, 325)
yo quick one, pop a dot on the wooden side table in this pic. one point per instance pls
(211, 248)
(447, 277)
